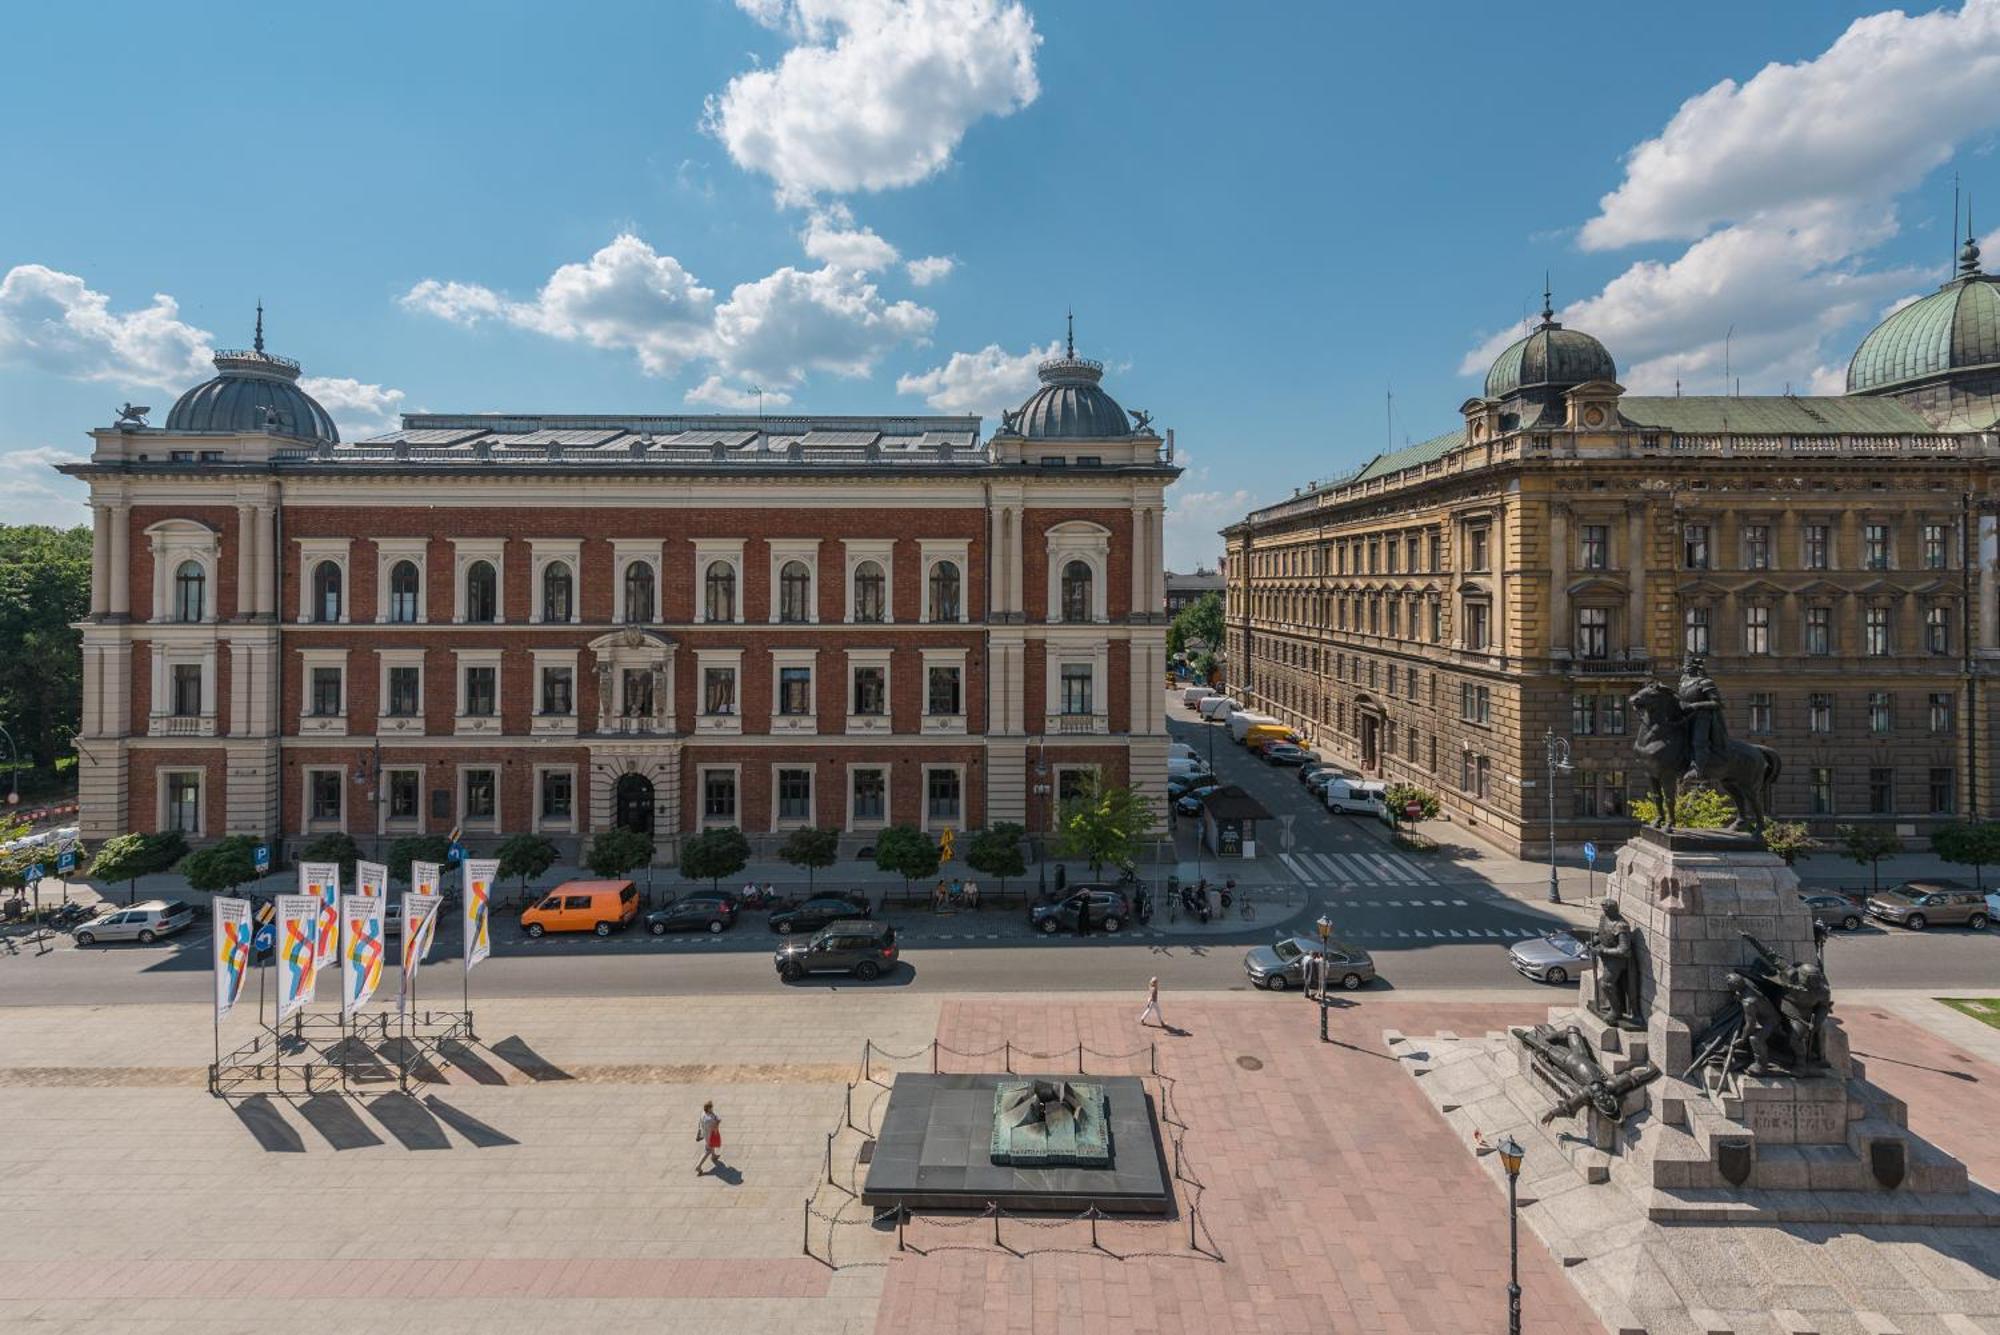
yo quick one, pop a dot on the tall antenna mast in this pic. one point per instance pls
(1389, 414)
(1953, 265)
(1725, 354)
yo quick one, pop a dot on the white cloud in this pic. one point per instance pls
(794, 321)
(985, 382)
(460, 303)
(930, 269)
(360, 410)
(873, 94)
(832, 237)
(714, 393)
(1195, 519)
(55, 322)
(32, 492)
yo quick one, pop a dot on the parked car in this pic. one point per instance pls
(815, 913)
(602, 907)
(1366, 797)
(1179, 751)
(1287, 753)
(1833, 910)
(690, 913)
(1192, 697)
(846, 945)
(1920, 904)
(1552, 957)
(1310, 768)
(1109, 910)
(1188, 783)
(1321, 779)
(144, 923)
(1189, 804)
(1282, 964)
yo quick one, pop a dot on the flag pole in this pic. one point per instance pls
(215, 1011)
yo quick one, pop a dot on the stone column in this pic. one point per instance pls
(267, 562)
(121, 560)
(1142, 527)
(246, 562)
(1559, 628)
(1637, 641)
(100, 560)
(1989, 586)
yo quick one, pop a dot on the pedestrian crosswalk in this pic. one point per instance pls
(1379, 869)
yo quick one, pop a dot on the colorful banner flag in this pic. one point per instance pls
(424, 877)
(479, 874)
(420, 920)
(233, 929)
(321, 880)
(361, 953)
(298, 952)
(371, 878)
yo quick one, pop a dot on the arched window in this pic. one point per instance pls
(190, 590)
(558, 591)
(482, 592)
(794, 592)
(944, 591)
(638, 593)
(326, 591)
(403, 591)
(870, 591)
(719, 592)
(1076, 591)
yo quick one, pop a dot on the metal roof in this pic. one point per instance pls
(252, 391)
(1954, 328)
(1773, 414)
(1410, 456)
(1549, 355)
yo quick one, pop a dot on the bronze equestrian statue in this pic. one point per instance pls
(1683, 735)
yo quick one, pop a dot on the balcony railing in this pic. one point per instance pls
(183, 725)
(634, 725)
(1611, 667)
(1073, 724)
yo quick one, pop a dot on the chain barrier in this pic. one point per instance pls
(897, 1056)
(941, 1047)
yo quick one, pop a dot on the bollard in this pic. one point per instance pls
(934, 1069)
(807, 1236)
(902, 1214)
(829, 1158)
(1079, 1059)
(996, 1222)
(1156, 1056)
(1010, 1056)
(1093, 1226)
(848, 1100)
(867, 1049)
(1192, 1246)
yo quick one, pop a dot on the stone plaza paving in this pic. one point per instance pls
(546, 1183)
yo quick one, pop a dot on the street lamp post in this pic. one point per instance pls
(1325, 927)
(1558, 757)
(13, 769)
(1510, 1159)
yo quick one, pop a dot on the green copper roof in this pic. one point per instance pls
(1408, 457)
(1550, 355)
(1954, 328)
(1772, 414)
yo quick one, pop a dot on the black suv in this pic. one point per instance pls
(1109, 911)
(849, 945)
(816, 913)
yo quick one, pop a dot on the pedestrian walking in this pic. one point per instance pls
(938, 898)
(1214, 902)
(1062, 879)
(1083, 915)
(1152, 1005)
(708, 1134)
(1315, 969)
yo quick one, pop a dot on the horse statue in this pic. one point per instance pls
(1681, 734)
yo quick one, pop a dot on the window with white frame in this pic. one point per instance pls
(183, 801)
(478, 684)
(718, 795)
(944, 798)
(477, 574)
(944, 595)
(870, 593)
(185, 552)
(326, 690)
(190, 591)
(636, 567)
(944, 690)
(400, 579)
(558, 689)
(328, 591)
(794, 573)
(792, 795)
(868, 684)
(482, 592)
(555, 798)
(405, 587)
(479, 796)
(326, 798)
(1078, 694)
(795, 693)
(1875, 631)
(558, 592)
(1756, 630)
(187, 696)
(868, 802)
(718, 689)
(718, 598)
(1078, 557)
(404, 796)
(871, 580)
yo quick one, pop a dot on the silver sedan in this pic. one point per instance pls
(1282, 964)
(1553, 957)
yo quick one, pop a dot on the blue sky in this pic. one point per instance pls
(1266, 217)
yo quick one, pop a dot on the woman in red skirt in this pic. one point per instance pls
(708, 1133)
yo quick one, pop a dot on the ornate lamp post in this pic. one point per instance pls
(1325, 928)
(1510, 1159)
(1558, 757)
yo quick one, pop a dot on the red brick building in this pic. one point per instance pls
(564, 623)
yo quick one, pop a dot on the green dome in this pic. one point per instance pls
(1955, 328)
(1549, 357)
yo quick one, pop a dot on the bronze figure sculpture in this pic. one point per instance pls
(1683, 735)
(1564, 1059)
(1615, 948)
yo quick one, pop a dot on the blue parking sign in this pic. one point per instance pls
(262, 858)
(1590, 852)
(66, 861)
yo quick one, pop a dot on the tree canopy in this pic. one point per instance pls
(1868, 845)
(335, 847)
(129, 856)
(906, 851)
(526, 856)
(1200, 622)
(224, 865)
(996, 851)
(1106, 825)
(812, 848)
(44, 586)
(714, 854)
(615, 852)
(1974, 844)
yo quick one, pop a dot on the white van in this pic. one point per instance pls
(1179, 767)
(1368, 797)
(1180, 751)
(1218, 707)
(1194, 695)
(1243, 720)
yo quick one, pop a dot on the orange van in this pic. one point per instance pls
(583, 906)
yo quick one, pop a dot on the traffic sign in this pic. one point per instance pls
(456, 853)
(261, 859)
(66, 861)
(35, 872)
(1590, 852)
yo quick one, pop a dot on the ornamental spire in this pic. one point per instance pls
(1968, 258)
(259, 344)
(1069, 342)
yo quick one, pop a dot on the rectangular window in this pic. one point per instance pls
(718, 795)
(480, 691)
(1760, 713)
(943, 694)
(1395, 619)
(1818, 547)
(1694, 638)
(1819, 714)
(1879, 713)
(871, 795)
(1694, 546)
(1076, 694)
(405, 697)
(1934, 546)
(404, 785)
(326, 794)
(718, 690)
(1435, 552)
(1392, 556)
(1613, 803)
(795, 794)
(1583, 715)
(1410, 552)
(636, 692)
(1875, 631)
(481, 794)
(1875, 546)
(1478, 625)
(1392, 679)
(1611, 715)
(1944, 795)
(795, 690)
(326, 692)
(1819, 631)
(1593, 632)
(871, 691)
(1478, 540)
(1820, 791)
(558, 691)
(941, 795)
(1941, 711)
(184, 802)
(187, 690)
(1583, 794)
(1437, 621)
(1756, 630)
(1374, 557)
(1881, 792)
(1595, 553)
(1756, 546)
(1937, 630)
(558, 795)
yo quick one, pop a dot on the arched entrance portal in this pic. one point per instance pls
(634, 802)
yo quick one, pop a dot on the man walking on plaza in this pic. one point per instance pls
(708, 1133)
(1152, 1005)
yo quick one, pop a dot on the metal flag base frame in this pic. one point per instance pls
(319, 1052)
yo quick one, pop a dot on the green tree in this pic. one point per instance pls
(14, 863)
(1105, 825)
(1971, 843)
(1401, 796)
(1696, 808)
(129, 856)
(616, 852)
(1789, 840)
(908, 852)
(334, 847)
(811, 848)
(996, 851)
(1200, 622)
(1867, 845)
(714, 854)
(44, 587)
(526, 856)
(417, 848)
(225, 864)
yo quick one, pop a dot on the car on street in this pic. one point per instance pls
(1920, 904)
(602, 907)
(1364, 797)
(144, 923)
(1287, 753)
(1833, 910)
(1320, 780)
(1109, 910)
(691, 913)
(1188, 783)
(858, 946)
(815, 913)
(1552, 957)
(1189, 804)
(1282, 964)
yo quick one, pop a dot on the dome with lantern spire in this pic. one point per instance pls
(1549, 357)
(1070, 405)
(1940, 353)
(253, 391)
